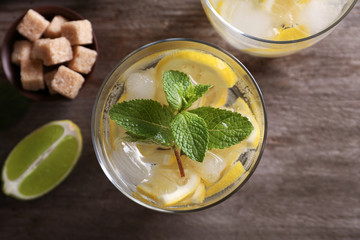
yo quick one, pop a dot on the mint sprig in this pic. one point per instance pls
(226, 128)
(146, 119)
(194, 131)
(180, 93)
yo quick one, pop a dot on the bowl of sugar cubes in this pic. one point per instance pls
(49, 53)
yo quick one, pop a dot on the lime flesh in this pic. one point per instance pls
(30, 148)
(42, 160)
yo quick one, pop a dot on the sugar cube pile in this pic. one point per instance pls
(59, 49)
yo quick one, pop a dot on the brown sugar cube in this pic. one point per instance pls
(21, 51)
(78, 32)
(67, 82)
(39, 48)
(54, 29)
(33, 25)
(52, 51)
(48, 77)
(83, 60)
(31, 74)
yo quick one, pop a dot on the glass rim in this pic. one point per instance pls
(332, 25)
(101, 160)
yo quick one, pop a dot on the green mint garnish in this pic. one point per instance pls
(145, 118)
(130, 137)
(194, 131)
(179, 90)
(226, 128)
(190, 134)
(194, 93)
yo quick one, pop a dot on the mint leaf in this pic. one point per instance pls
(193, 93)
(175, 85)
(136, 138)
(179, 90)
(145, 118)
(190, 134)
(226, 128)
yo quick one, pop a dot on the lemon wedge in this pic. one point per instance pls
(229, 177)
(197, 197)
(166, 187)
(202, 68)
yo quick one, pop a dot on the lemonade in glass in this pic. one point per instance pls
(274, 28)
(148, 173)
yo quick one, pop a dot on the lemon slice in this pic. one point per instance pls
(287, 11)
(291, 33)
(215, 98)
(242, 107)
(42, 160)
(197, 197)
(202, 68)
(229, 177)
(166, 187)
(153, 154)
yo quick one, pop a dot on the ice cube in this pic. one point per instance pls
(141, 85)
(319, 14)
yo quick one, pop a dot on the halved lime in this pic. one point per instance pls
(42, 160)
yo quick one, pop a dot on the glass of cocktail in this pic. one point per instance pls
(149, 174)
(275, 28)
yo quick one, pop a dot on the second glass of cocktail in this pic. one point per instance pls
(275, 28)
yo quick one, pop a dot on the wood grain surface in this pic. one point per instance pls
(307, 185)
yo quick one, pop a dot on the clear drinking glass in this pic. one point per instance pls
(257, 46)
(124, 173)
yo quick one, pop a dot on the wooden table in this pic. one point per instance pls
(307, 185)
